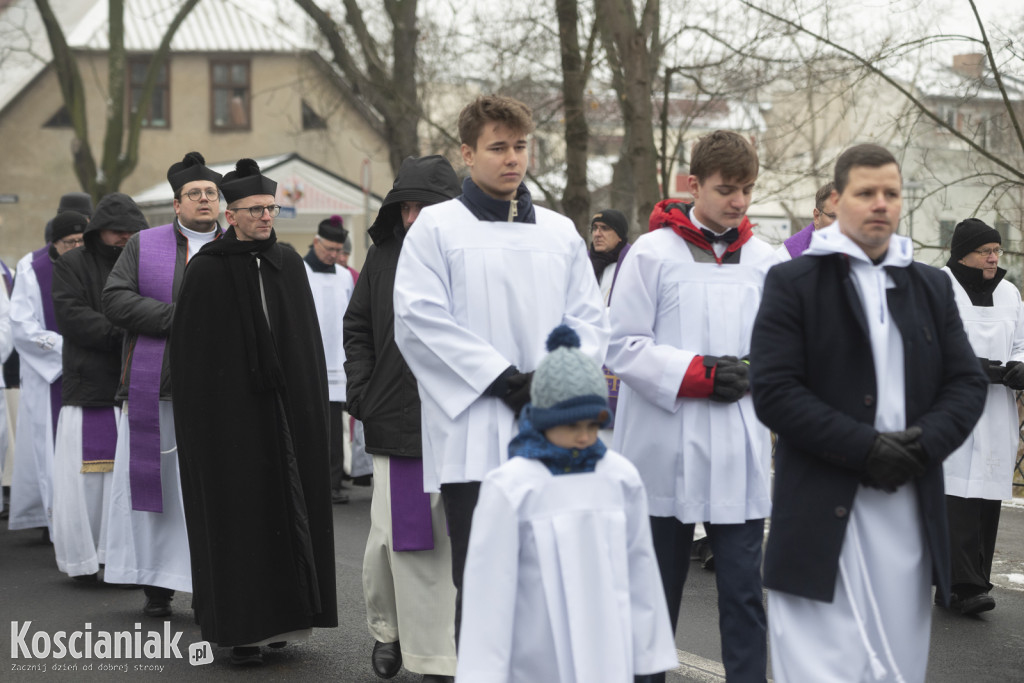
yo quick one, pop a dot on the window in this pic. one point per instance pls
(1003, 228)
(310, 119)
(229, 95)
(946, 233)
(158, 113)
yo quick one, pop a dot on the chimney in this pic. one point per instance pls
(969, 65)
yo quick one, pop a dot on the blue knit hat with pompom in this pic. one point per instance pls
(567, 386)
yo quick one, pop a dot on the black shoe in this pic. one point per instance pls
(339, 497)
(87, 578)
(278, 645)
(983, 602)
(246, 656)
(437, 678)
(387, 659)
(364, 480)
(158, 606)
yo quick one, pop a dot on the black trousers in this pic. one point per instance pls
(337, 444)
(459, 503)
(741, 614)
(973, 525)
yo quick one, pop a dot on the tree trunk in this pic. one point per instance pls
(576, 197)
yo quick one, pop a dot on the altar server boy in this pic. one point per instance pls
(561, 580)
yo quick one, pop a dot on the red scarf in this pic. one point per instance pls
(673, 213)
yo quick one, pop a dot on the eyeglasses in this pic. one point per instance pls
(195, 194)
(71, 242)
(257, 211)
(333, 250)
(600, 227)
(830, 216)
(988, 252)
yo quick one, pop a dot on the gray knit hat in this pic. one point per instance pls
(567, 386)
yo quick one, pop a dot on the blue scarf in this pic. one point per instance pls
(529, 443)
(487, 208)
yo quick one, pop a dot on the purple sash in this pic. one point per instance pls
(43, 267)
(158, 248)
(410, 507)
(99, 439)
(8, 278)
(798, 243)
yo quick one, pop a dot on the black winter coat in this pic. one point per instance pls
(813, 384)
(381, 389)
(92, 343)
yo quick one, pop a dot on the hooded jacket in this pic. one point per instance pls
(381, 388)
(92, 343)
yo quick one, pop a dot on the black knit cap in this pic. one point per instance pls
(970, 234)
(75, 201)
(333, 229)
(616, 220)
(192, 167)
(245, 181)
(68, 223)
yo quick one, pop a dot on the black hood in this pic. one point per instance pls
(430, 179)
(116, 211)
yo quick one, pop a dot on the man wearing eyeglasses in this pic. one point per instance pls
(332, 287)
(251, 412)
(824, 215)
(39, 344)
(146, 539)
(979, 474)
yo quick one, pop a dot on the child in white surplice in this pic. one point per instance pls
(561, 580)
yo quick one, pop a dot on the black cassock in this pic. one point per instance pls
(251, 419)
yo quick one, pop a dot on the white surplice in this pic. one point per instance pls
(148, 548)
(80, 500)
(878, 626)
(40, 352)
(983, 466)
(331, 293)
(701, 461)
(561, 580)
(472, 298)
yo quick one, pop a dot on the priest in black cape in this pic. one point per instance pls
(251, 417)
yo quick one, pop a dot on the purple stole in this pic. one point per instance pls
(158, 248)
(8, 278)
(411, 525)
(43, 267)
(798, 243)
(99, 439)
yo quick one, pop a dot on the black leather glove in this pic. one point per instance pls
(518, 391)
(1014, 375)
(499, 387)
(993, 369)
(732, 378)
(894, 459)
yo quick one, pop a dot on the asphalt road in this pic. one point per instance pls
(981, 649)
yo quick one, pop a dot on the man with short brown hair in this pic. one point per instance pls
(482, 279)
(862, 368)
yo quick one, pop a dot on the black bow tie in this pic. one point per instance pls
(727, 237)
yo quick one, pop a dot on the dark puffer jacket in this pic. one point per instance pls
(381, 389)
(92, 344)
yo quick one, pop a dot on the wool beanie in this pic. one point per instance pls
(567, 386)
(75, 201)
(333, 229)
(970, 234)
(68, 223)
(616, 220)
